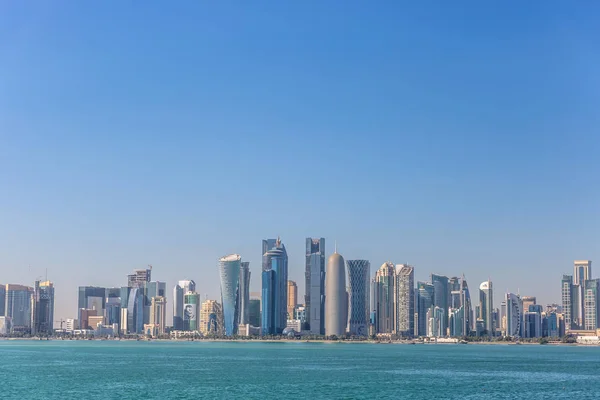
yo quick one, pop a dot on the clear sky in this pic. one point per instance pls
(457, 137)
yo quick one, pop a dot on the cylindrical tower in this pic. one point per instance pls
(336, 301)
(229, 269)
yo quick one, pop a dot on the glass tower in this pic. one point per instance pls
(229, 271)
(244, 293)
(275, 260)
(314, 297)
(424, 303)
(358, 296)
(441, 294)
(179, 291)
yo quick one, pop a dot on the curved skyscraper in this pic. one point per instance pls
(229, 271)
(244, 293)
(358, 296)
(336, 306)
(514, 314)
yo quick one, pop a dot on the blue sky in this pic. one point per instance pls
(458, 138)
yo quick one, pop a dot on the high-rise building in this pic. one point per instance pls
(135, 310)
(514, 315)
(244, 293)
(229, 271)
(466, 304)
(191, 311)
(532, 323)
(292, 298)
(274, 301)
(314, 299)
(254, 312)
(582, 271)
(92, 298)
(528, 301)
(441, 294)
(486, 307)
(424, 296)
(211, 318)
(18, 307)
(179, 290)
(336, 306)
(358, 296)
(567, 300)
(2, 300)
(42, 310)
(591, 304)
(149, 290)
(404, 300)
(384, 307)
(435, 320)
(158, 313)
(139, 277)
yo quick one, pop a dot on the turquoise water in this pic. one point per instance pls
(198, 370)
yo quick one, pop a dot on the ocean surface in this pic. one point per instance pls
(290, 370)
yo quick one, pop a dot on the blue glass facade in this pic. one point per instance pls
(424, 303)
(135, 311)
(358, 296)
(275, 292)
(229, 271)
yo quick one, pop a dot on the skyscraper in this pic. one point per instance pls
(42, 312)
(158, 313)
(567, 300)
(92, 298)
(2, 300)
(274, 306)
(179, 291)
(18, 306)
(358, 296)
(404, 300)
(514, 315)
(336, 306)
(486, 307)
(582, 271)
(211, 316)
(441, 294)
(384, 312)
(191, 311)
(139, 277)
(244, 293)
(591, 304)
(314, 298)
(229, 271)
(135, 310)
(424, 303)
(292, 298)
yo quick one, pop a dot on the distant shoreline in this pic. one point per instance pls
(128, 340)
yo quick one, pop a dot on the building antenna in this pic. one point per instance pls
(46, 274)
(335, 246)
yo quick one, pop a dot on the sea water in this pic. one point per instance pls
(294, 370)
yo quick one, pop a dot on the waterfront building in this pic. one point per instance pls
(582, 271)
(486, 307)
(528, 301)
(456, 322)
(254, 312)
(92, 298)
(84, 316)
(384, 307)
(358, 296)
(113, 310)
(467, 305)
(229, 271)
(135, 310)
(441, 294)
(179, 291)
(300, 314)
(5, 326)
(2, 300)
(404, 300)
(94, 321)
(211, 317)
(149, 290)
(435, 318)
(552, 324)
(314, 298)
(138, 278)
(158, 313)
(191, 311)
(244, 293)
(274, 301)
(292, 302)
(567, 300)
(591, 304)
(18, 306)
(424, 302)
(532, 327)
(42, 311)
(336, 301)
(514, 315)
(71, 324)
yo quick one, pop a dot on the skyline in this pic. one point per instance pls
(457, 139)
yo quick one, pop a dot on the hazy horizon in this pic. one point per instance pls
(455, 139)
